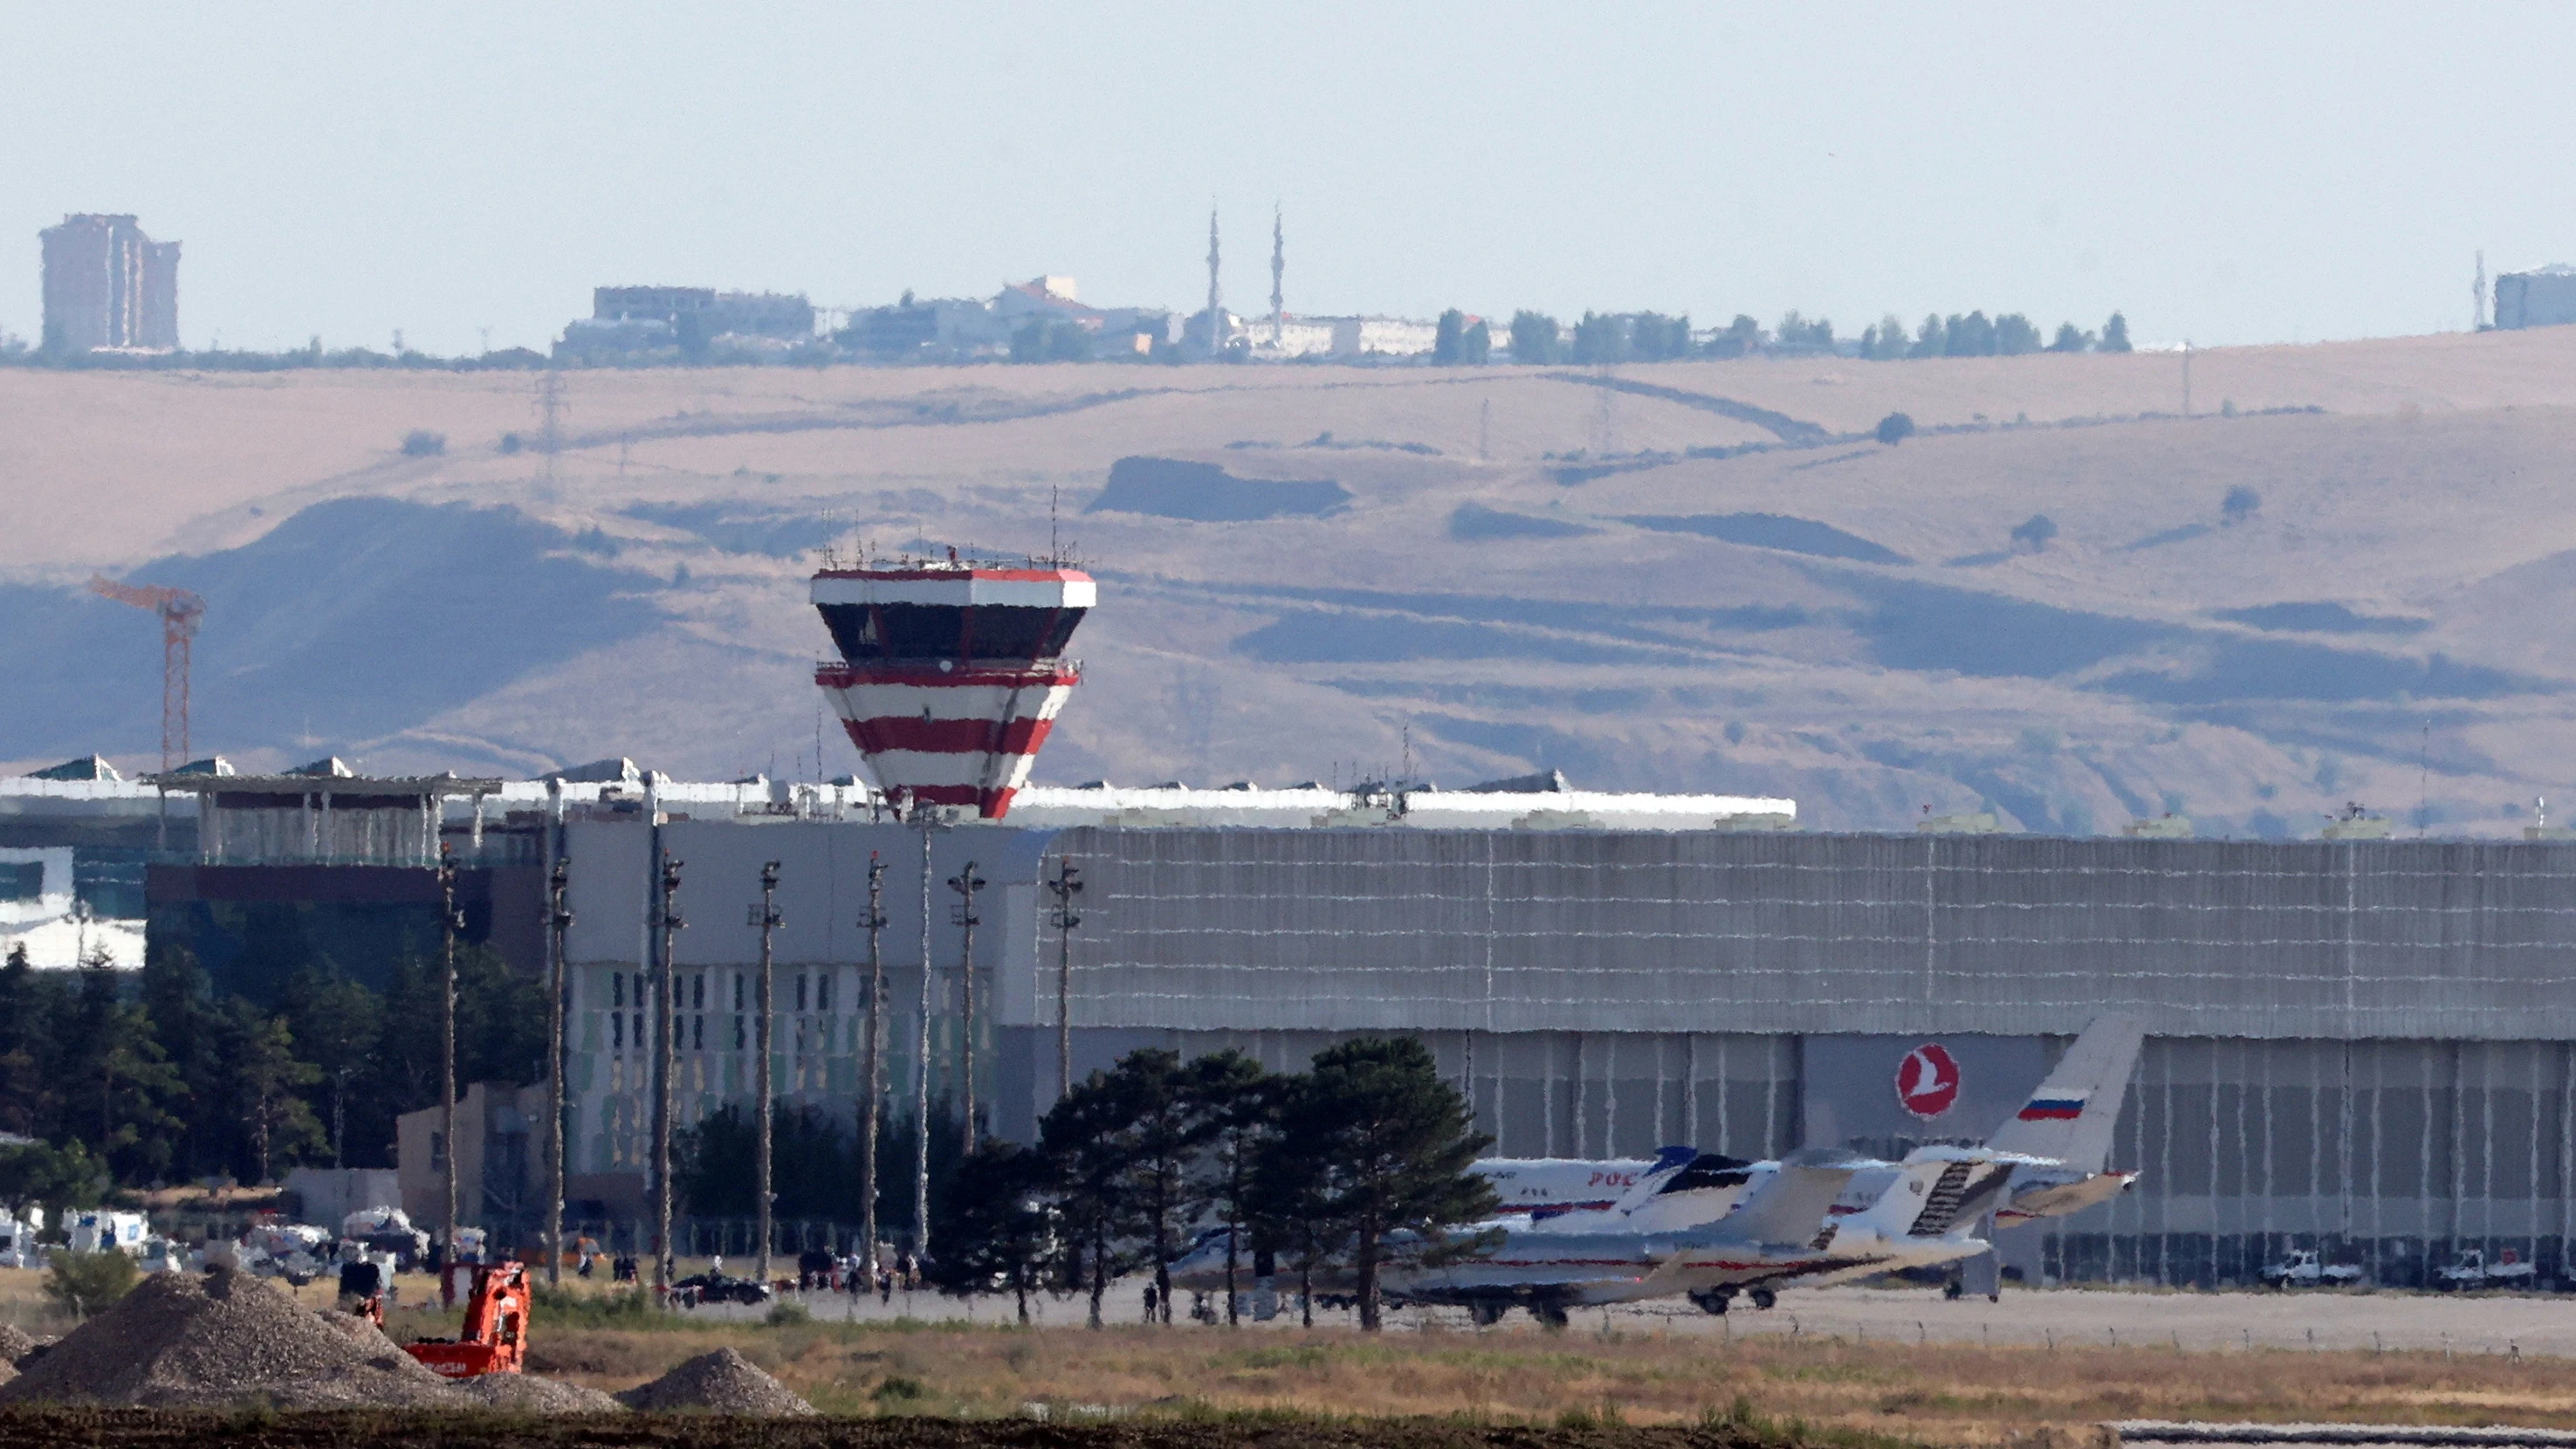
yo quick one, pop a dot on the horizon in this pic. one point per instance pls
(354, 176)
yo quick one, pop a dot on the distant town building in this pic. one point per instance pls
(108, 287)
(1338, 337)
(2542, 298)
(1042, 319)
(689, 320)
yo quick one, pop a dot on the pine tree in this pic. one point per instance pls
(261, 1075)
(997, 1231)
(1534, 337)
(1448, 339)
(1396, 1144)
(2115, 334)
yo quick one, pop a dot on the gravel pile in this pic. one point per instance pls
(529, 1394)
(724, 1382)
(15, 1343)
(181, 1340)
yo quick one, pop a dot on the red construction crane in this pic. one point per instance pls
(179, 610)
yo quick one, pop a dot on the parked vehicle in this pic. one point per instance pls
(2474, 1271)
(2304, 1268)
(717, 1288)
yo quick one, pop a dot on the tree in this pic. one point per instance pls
(2014, 335)
(1895, 428)
(1477, 348)
(1449, 339)
(36, 1174)
(1931, 340)
(2240, 504)
(261, 1075)
(337, 1023)
(1600, 340)
(1244, 1099)
(1167, 1116)
(1885, 342)
(996, 1231)
(2071, 340)
(28, 1099)
(1796, 333)
(1084, 1139)
(118, 1085)
(2036, 531)
(1396, 1144)
(2115, 334)
(83, 1283)
(1654, 337)
(1969, 336)
(1534, 337)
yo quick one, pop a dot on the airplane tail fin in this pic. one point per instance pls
(1668, 1160)
(2070, 1118)
(1791, 1206)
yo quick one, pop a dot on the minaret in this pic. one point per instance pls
(1216, 301)
(1278, 269)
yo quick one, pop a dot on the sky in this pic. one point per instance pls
(2226, 173)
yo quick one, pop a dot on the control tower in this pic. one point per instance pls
(950, 673)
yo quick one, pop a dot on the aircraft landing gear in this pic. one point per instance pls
(1953, 1290)
(1713, 1300)
(1550, 1314)
(1763, 1298)
(1485, 1315)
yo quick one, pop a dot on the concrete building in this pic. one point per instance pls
(2542, 298)
(108, 287)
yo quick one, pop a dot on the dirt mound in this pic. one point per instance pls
(723, 1381)
(181, 1340)
(15, 1343)
(530, 1394)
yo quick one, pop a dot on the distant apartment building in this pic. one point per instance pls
(2542, 298)
(109, 287)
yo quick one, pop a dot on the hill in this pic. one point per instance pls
(2339, 579)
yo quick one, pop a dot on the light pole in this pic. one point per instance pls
(666, 1087)
(449, 923)
(874, 923)
(769, 921)
(1064, 888)
(921, 1067)
(966, 883)
(558, 916)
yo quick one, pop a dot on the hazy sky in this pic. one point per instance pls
(2227, 172)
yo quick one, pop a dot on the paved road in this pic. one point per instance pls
(2334, 1319)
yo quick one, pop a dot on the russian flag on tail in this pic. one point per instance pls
(2054, 1107)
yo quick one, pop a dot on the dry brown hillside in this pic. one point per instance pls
(1695, 575)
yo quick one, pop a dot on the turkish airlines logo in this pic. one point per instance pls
(1927, 1081)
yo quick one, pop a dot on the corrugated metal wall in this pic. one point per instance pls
(1526, 931)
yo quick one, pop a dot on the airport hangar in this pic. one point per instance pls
(2359, 1044)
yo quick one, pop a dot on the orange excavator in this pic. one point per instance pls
(494, 1339)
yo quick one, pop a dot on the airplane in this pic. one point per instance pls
(2068, 1120)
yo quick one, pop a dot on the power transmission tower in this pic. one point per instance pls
(665, 1088)
(559, 918)
(874, 923)
(551, 407)
(966, 883)
(180, 612)
(1064, 888)
(1278, 272)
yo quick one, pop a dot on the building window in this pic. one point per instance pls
(438, 1152)
(699, 992)
(737, 991)
(738, 1029)
(823, 992)
(639, 1031)
(800, 991)
(617, 1032)
(617, 989)
(698, 1031)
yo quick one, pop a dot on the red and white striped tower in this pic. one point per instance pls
(950, 675)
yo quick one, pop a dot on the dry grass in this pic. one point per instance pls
(1963, 1395)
